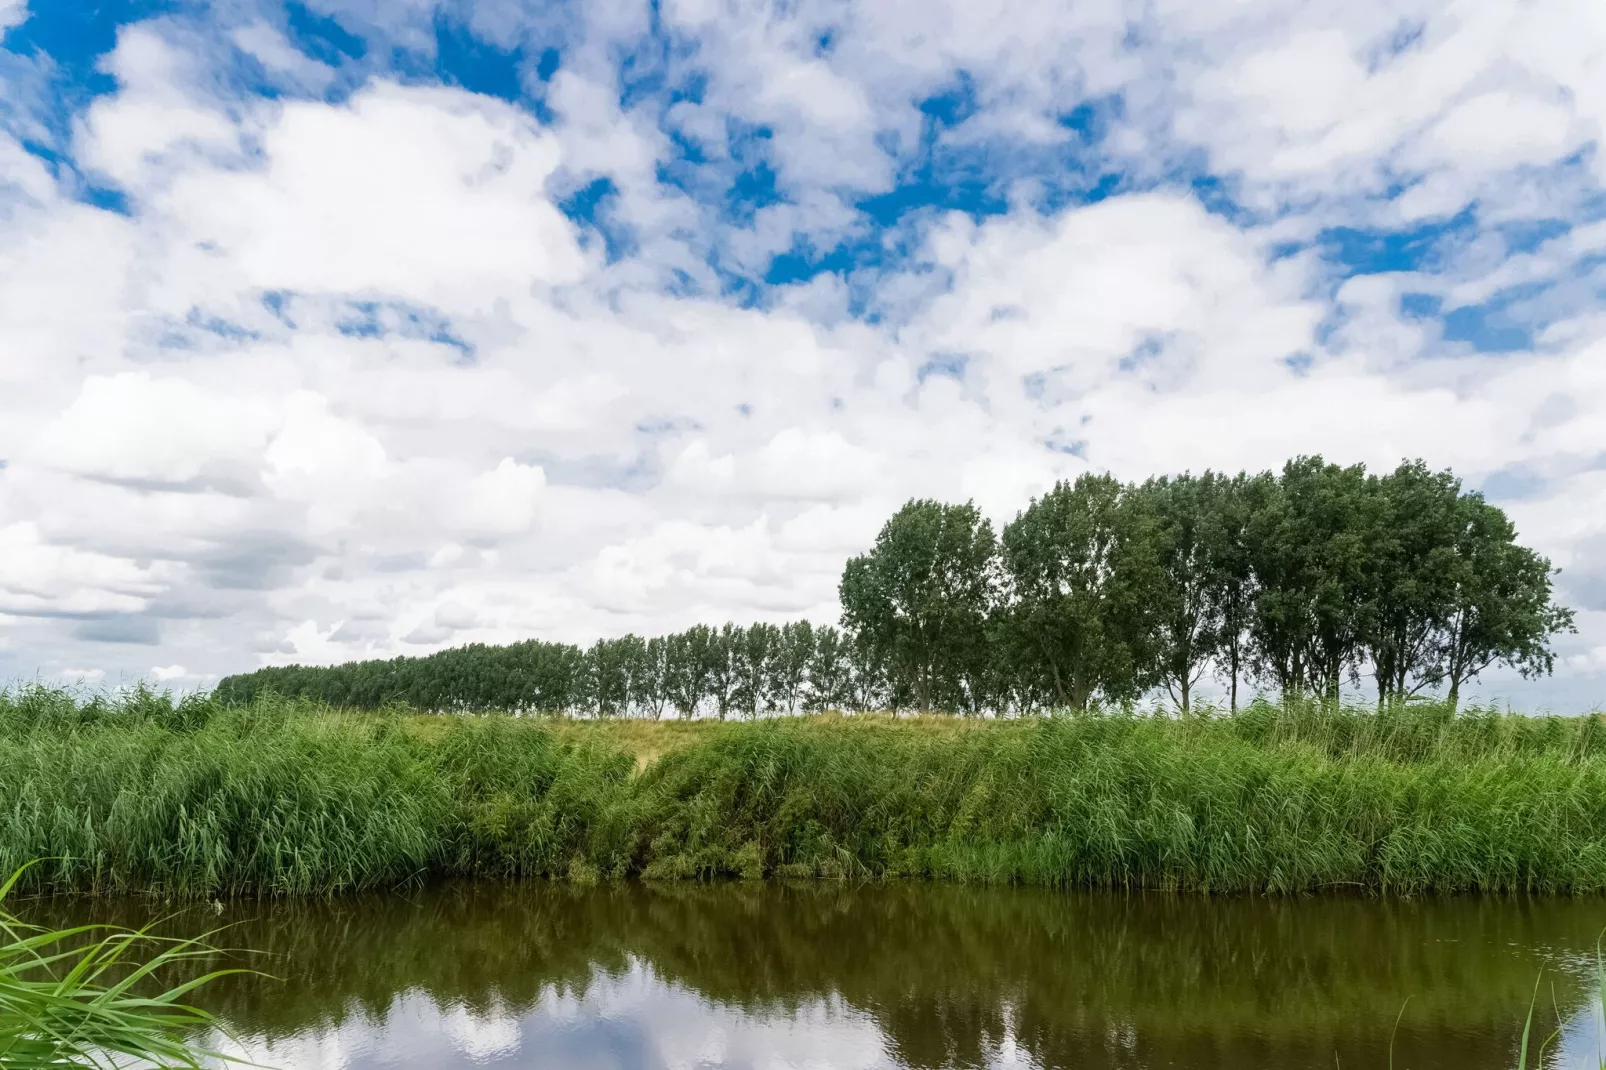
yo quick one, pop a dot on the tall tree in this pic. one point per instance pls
(921, 597)
(1233, 589)
(1412, 586)
(1501, 608)
(1081, 578)
(1179, 517)
(1314, 546)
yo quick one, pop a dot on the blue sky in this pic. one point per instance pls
(345, 328)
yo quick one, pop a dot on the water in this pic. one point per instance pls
(740, 976)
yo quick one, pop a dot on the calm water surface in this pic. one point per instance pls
(737, 976)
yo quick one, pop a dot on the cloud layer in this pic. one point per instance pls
(342, 329)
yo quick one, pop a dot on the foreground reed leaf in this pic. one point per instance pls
(83, 997)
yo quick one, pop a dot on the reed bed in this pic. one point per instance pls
(197, 798)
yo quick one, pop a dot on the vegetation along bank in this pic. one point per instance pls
(200, 798)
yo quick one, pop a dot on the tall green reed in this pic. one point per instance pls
(88, 996)
(197, 798)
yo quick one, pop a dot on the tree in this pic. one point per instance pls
(1179, 518)
(790, 667)
(830, 672)
(1303, 579)
(609, 668)
(921, 597)
(1501, 610)
(1081, 579)
(1313, 549)
(689, 658)
(723, 655)
(1232, 589)
(753, 652)
(652, 676)
(1411, 591)
(866, 684)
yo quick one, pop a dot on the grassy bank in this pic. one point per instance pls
(276, 798)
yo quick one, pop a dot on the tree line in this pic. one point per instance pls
(1298, 581)
(731, 670)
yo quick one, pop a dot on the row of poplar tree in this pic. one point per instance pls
(1299, 582)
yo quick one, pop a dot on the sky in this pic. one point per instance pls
(345, 328)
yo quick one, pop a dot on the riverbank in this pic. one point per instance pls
(198, 799)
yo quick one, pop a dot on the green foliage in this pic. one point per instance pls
(276, 799)
(81, 996)
(1498, 607)
(1083, 577)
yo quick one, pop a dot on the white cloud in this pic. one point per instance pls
(130, 426)
(425, 194)
(13, 13)
(268, 47)
(167, 673)
(1503, 129)
(40, 578)
(505, 500)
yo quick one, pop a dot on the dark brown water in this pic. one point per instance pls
(738, 976)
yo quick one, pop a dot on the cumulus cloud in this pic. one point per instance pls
(375, 363)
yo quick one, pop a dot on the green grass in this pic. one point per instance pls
(83, 996)
(144, 795)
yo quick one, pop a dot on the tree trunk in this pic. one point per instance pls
(1234, 665)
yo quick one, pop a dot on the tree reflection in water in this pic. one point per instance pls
(916, 976)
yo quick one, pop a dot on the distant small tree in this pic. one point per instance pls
(609, 668)
(867, 686)
(830, 672)
(752, 664)
(790, 666)
(723, 668)
(652, 677)
(689, 658)
(921, 598)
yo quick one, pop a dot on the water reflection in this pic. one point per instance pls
(908, 976)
